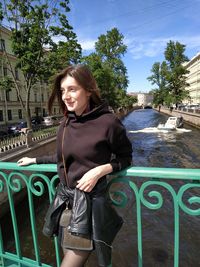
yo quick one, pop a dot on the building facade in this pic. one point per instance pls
(193, 79)
(10, 108)
(144, 99)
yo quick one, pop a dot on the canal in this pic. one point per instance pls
(179, 150)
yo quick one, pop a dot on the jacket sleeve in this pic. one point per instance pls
(47, 159)
(120, 146)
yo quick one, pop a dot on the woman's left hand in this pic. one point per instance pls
(90, 178)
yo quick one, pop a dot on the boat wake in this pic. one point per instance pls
(156, 130)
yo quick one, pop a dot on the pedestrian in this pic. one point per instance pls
(91, 143)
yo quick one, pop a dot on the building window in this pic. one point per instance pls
(9, 114)
(1, 115)
(2, 44)
(16, 74)
(20, 113)
(5, 71)
(35, 96)
(54, 111)
(44, 112)
(8, 95)
(37, 111)
(42, 97)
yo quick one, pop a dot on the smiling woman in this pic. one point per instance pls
(91, 143)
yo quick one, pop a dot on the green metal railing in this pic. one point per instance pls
(34, 179)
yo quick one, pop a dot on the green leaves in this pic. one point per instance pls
(6, 83)
(170, 76)
(108, 67)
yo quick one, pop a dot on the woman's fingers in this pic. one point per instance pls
(85, 185)
(20, 161)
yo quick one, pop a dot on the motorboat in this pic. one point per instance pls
(171, 124)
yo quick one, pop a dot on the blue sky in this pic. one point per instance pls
(147, 26)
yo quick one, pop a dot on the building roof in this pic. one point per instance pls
(192, 60)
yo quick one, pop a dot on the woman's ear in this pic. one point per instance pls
(88, 94)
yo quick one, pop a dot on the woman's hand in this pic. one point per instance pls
(26, 161)
(90, 178)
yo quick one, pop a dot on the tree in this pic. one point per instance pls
(108, 67)
(1, 12)
(104, 77)
(33, 33)
(170, 76)
(176, 76)
(5, 84)
(158, 77)
(110, 48)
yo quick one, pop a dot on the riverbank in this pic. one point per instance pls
(191, 118)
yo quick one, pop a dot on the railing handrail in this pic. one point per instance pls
(152, 172)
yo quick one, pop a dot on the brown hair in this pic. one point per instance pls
(84, 78)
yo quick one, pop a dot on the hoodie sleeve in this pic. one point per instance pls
(47, 159)
(120, 146)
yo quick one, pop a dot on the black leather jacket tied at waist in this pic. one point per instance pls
(91, 216)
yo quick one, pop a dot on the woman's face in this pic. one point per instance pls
(73, 95)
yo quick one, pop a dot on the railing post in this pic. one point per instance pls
(1, 249)
(29, 135)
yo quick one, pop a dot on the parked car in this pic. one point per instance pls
(193, 106)
(51, 120)
(180, 106)
(37, 120)
(16, 128)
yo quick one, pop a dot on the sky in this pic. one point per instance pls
(147, 26)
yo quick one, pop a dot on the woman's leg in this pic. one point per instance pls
(74, 258)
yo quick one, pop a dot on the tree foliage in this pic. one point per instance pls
(176, 75)
(110, 48)
(42, 41)
(170, 76)
(158, 78)
(108, 68)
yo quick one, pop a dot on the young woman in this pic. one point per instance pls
(91, 143)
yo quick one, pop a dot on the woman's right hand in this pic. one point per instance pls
(26, 161)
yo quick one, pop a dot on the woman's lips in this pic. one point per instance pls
(70, 103)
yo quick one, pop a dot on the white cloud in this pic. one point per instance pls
(140, 48)
(87, 44)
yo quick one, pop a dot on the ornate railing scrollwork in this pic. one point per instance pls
(182, 191)
(191, 200)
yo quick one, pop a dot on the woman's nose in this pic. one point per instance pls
(66, 94)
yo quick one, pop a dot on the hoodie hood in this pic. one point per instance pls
(95, 111)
